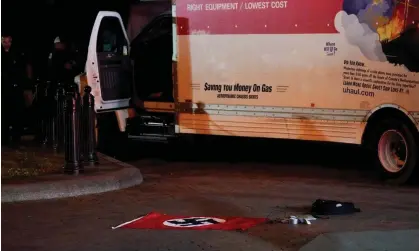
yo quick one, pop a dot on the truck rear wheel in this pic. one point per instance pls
(396, 151)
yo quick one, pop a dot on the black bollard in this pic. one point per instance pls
(43, 112)
(53, 119)
(51, 115)
(60, 98)
(89, 135)
(75, 89)
(36, 105)
(72, 111)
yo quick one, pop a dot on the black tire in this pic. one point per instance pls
(401, 131)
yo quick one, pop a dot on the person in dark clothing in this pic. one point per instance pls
(14, 78)
(61, 63)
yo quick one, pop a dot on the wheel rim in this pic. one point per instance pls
(392, 151)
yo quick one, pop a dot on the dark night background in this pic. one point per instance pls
(34, 24)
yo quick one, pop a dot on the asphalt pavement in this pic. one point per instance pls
(222, 178)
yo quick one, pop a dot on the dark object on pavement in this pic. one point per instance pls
(332, 207)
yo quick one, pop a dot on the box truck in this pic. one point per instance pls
(341, 71)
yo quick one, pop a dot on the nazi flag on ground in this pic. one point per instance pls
(163, 221)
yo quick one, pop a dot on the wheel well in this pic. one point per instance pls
(107, 126)
(107, 120)
(386, 113)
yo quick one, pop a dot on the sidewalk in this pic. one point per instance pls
(109, 175)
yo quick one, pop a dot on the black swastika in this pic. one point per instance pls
(193, 222)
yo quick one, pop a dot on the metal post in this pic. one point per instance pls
(53, 119)
(89, 135)
(44, 113)
(75, 89)
(36, 104)
(72, 110)
(52, 116)
(60, 98)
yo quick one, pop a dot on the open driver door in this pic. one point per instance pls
(108, 65)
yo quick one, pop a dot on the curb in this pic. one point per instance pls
(125, 177)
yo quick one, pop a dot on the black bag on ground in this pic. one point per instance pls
(331, 207)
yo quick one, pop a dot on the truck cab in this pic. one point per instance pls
(132, 78)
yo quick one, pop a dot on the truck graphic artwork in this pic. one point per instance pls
(383, 29)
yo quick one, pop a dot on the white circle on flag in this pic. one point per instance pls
(193, 222)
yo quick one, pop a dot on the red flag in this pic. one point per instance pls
(163, 221)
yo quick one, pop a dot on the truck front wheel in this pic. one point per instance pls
(396, 151)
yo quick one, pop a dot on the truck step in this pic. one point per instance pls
(150, 138)
(150, 127)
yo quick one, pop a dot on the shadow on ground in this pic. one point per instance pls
(238, 155)
(226, 149)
